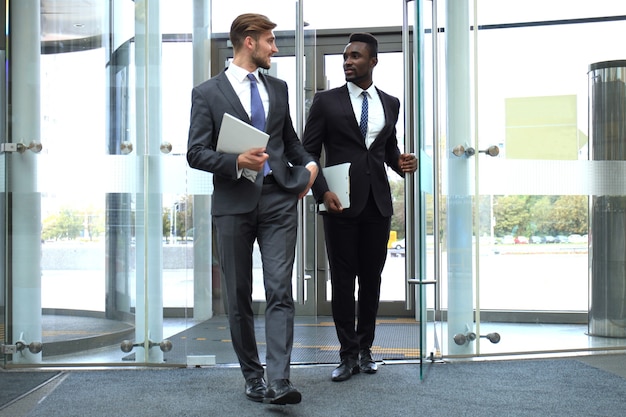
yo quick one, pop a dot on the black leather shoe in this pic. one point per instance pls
(366, 363)
(256, 389)
(281, 391)
(345, 370)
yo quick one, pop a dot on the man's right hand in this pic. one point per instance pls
(252, 159)
(332, 203)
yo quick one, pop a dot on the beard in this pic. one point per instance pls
(260, 61)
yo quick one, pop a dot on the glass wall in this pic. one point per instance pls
(107, 246)
(528, 70)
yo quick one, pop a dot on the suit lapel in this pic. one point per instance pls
(385, 103)
(346, 107)
(229, 93)
(271, 93)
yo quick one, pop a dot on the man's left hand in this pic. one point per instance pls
(408, 162)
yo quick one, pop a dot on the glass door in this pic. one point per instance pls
(538, 189)
(518, 176)
(295, 64)
(397, 328)
(323, 42)
(98, 262)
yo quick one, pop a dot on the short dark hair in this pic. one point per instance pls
(249, 24)
(369, 39)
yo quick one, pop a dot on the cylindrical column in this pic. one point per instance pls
(607, 230)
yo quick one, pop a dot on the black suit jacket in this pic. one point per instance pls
(287, 157)
(331, 124)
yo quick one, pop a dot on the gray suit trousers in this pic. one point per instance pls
(273, 223)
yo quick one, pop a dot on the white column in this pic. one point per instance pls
(459, 214)
(25, 209)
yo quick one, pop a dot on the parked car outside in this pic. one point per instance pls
(396, 249)
(561, 239)
(521, 240)
(576, 238)
(550, 239)
(508, 240)
(537, 239)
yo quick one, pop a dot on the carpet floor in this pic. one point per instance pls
(17, 384)
(540, 387)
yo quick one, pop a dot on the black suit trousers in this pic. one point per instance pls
(356, 247)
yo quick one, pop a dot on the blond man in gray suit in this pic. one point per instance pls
(262, 206)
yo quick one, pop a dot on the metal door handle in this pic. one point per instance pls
(126, 147)
(33, 146)
(166, 147)
(493, 150)
(460, 150)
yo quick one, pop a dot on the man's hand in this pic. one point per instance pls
(313, 170)
(332, 203)
(408, 162)
(252, 159)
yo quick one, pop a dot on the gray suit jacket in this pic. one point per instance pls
(232, 195)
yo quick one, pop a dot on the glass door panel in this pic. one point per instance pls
(87, 196)
(397, 336)
(108, 192)
(532, 199)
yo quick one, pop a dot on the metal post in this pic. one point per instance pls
(607, 246)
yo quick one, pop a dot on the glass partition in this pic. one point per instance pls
(107, 240)
(531, 202)
(128, 271)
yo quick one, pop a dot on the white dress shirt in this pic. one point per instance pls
(238, 78)
(375, 112)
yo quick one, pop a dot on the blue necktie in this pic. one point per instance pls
(363, 124)
(257, 113)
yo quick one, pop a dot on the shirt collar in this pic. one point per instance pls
(240, 73)
(356, 91)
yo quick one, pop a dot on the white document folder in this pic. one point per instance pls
(237, 136)
(338, 180)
